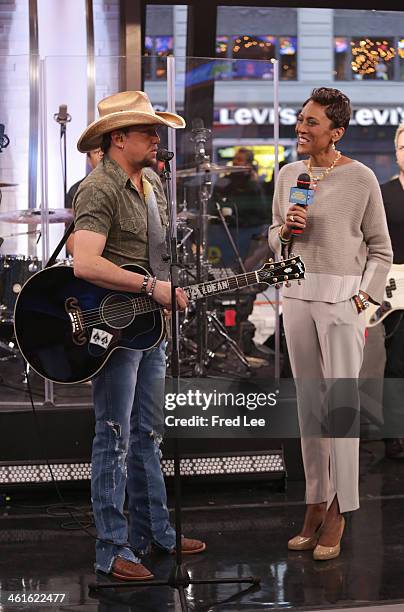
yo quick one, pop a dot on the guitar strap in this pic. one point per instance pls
(159, 262)
(52, 260)
(157, 237)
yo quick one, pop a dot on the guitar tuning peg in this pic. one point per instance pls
(291, 254)
(270, 260)
(275, 280)
(281, 258)
(277, 286)
(288, 284)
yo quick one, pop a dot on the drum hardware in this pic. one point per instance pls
(207, 167)
(193, 216)
(7, 351)
(201, 324)
(32, 216)
(215, 325)
(191, 352)
(14, 271)
(230, 237)
(21, 234)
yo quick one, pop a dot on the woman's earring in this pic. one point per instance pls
(333, 146)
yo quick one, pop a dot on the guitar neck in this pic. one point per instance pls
(201, 290)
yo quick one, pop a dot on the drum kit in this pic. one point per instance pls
(15, 270)
(202, 332)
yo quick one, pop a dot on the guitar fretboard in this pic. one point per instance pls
(201, 290)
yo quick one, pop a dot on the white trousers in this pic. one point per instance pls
(325, 343)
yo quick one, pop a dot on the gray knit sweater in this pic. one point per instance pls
(346, 245)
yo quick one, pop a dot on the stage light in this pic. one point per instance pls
(260, 465)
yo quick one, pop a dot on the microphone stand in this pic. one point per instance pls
(62, 119)
(199, 138)
(63, 136)
(179, 577)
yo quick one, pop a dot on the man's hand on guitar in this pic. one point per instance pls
(162, 295)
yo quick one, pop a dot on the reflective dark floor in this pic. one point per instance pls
(246, 527)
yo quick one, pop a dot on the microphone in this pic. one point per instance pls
(62, 116)
(4, 140)
(301, 195)
(164, 155)
(200, 136)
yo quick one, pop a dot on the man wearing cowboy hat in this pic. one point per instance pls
(120, 218)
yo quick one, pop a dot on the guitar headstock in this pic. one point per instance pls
(285, 270)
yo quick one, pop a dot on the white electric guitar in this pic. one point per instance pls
(393, 297)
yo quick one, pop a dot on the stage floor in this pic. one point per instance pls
(246, 527)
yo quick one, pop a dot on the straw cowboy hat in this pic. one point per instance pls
(123, 110)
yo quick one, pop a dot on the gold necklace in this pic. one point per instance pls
(320, 177)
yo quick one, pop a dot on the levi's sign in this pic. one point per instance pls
(287, 116)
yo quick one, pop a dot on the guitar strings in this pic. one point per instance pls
(113, 314)
(143, 304)
(138, 305)
(250, 277)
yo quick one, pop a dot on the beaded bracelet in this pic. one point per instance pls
(152, 287)
(281, 238)
(144, 284)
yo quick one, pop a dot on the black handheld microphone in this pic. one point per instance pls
(4, 140)
(301, 195)
(164, 155)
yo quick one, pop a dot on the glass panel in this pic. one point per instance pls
(233, 141)
(14, 157)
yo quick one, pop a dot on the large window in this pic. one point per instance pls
(252, 48)
(157, 48)
(368, 45)
(366, 58)
(166, 31)
(249, 34)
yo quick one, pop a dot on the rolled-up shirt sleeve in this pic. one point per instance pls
(93, 209)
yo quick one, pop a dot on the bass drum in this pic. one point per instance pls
(15, 270)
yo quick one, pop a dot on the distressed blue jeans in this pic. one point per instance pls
(128, 397)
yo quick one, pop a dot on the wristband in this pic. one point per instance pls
(364, 300)
(152, 287)
(281, 238)
(358, 303)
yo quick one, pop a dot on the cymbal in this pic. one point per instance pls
(212, 169)
(2, 184)
(32, 216)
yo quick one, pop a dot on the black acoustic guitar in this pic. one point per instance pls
(67, 328)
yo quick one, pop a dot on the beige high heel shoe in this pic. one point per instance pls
(323, 553)
(303, 543)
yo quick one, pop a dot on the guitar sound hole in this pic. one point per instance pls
(117, 311)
